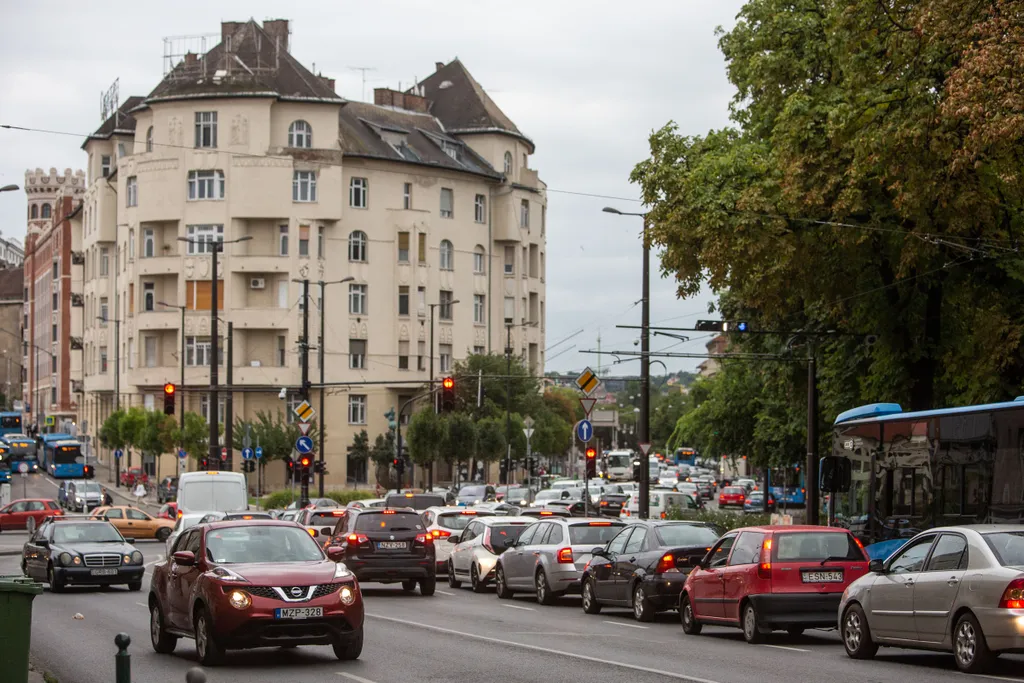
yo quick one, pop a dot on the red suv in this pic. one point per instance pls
(772, 578)
(253, 583)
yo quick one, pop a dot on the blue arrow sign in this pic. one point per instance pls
(246, 454)
(182, 454)
(584, 431)
(259, 452)
(304, 445)
(118, 453)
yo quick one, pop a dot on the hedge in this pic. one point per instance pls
(725, 521)
(283, 498)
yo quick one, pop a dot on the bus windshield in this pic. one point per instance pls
(10, 422)
(67, 454)
(619, 460)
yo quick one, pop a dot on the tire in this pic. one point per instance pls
(135, 586)
(749, 623)
(642, 609)
(351, 647)
(501, 587)
(162, 534)
(691, 626)
(427, 588)
(544, 595)
(795, 631)
(209, 650)
(856, 634)
(163, 642)
(56, 583)
(409, 586)
(590, 603)
(452, 581)
(969, 647)
(478, 584)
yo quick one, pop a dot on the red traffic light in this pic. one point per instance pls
(169, 389)
(591, 453)
(448, 383)
(305, 461)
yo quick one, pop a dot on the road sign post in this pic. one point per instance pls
(645, 479)
(584, 431)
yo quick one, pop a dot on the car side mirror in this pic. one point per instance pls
(453, 539)
(335, 553)
(186, 558)
(327, 531)
(43, 543)
(131, 541)
(599, 551)
(876, 566)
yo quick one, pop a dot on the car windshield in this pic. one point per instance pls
(592, 533)
(685, 534)
(734, 490)
(816, 545)
(416, 501)
(514, 492)
(86, 533)
(87, 488)
(186, 523)
(261, 543)
(472, 492)
(1008, 547)
(456, 521)
(620, 460)
(380, 521)
(225, 495)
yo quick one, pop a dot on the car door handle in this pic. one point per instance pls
(952, 581)
(908, 582)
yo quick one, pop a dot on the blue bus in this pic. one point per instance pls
(10, 423)
(918, 470)
(5, 466)
(63, 459)
(20, 449)
(686, 456)
(787, 485)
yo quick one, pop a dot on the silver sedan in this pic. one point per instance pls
(955, 589)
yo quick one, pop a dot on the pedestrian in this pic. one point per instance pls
(107, 498)
(139, 492)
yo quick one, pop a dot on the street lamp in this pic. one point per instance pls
(9, 188)
(645, 359)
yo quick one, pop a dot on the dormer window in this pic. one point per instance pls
(450, 149)
(300, 134)
(508, 163)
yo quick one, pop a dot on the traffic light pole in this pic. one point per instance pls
(323, 363)
(213, 414)
(229, 404)
(304, 475)
(645, 374)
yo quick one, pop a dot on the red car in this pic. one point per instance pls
(134, 476)
(28, 513)
(168, 511)
(732, 495)
(254, 583)
(769, 578)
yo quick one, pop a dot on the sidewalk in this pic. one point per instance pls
(12, 542)
(121, 495)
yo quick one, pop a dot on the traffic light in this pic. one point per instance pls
(204, 464)
(320, 467)
(447, 394)
(390, 417)
(292, 469)
(168, 399)
(591, 463)
(248, 466)
(89, 472)
(638, 471)
(399, 464)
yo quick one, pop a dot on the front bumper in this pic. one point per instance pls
(257, 627)
(83, 576)
(810, 610)
(393, 569)
(1003, 628)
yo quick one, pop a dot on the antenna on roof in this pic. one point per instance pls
(363, 69)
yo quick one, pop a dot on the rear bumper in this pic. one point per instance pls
(1003, 628)
(810, 610)
(566, 581)
(83, 576)
(662, 590)
(392, 569)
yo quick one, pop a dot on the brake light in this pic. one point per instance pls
(468, 512)
(667, 563)
(565, 556)
(338, 513)
(663, 515)
(440, 533)
(546, 513)
(358, 539)
(1013, 596)
(625, 511)
(604, 503)
(764, 566)
(388, 512)
(246, 517)
(408, 495)
(424, 538)
(180, 513)
(600, 524)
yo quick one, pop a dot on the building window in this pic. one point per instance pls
(148, 243)
(206, 129)
(56, 271)
(282, 350)
(148, 296)
(421, 358)
(421, 301)
(510, 260)
(508, 163)
(104, 309)
(447, 255)
(131, 245)
(479, 309)
(510, 308)
(53, 395)
(103, 360)
(407, 196)
(357, 246)
(359, 193)
(357, 409)
(403, 355)
(120, 150)
(149, 350)
(47, 211)
(104, 261)
(53, 365)
(447, 203)
(205, 185)
(131, 195)
(479, 350)
(543, 219)
(202, 237)
(54, 333)
(480, 209)
(303, 241)
(444, 352)
(304, 186)
(282, 240)
(403, 300)
(105, 165)
(422, 247)
(357, 299)
(403, 247)
(198, 351)
(357, 354)
(149, 139)
(524, 214)
(33, 212)
(320, 242)
(445, 304)
(300, 134)
(204, 408)
(479, 259)
(56, 301)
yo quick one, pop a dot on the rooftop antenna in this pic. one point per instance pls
(363, 69)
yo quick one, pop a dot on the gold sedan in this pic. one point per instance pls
(135, 523)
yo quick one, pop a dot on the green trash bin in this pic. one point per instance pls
(16, 594)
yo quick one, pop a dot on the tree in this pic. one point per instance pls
(111, 433)
(460, 443)
(274, 434)
(490, 445)
(195, 436)
(493, 369)
(424, 437)
(156, 435)
(359, 451)
(133, 425)
(383, 451)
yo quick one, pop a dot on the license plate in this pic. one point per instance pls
(391, 545)
(298, 612)
(104, 572)
(822, 577)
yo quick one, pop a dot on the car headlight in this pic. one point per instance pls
(127, 559)
(136, 557)
(65, 559)
(347, 595)
(341, 571)
(227, 575)
(240, 600)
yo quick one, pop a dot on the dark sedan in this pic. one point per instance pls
(755, 502)
(611, 504)
(68, 550)
(644, 566)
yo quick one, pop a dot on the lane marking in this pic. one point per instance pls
(621, 623)
(528, 609)
(997, 678)
(784, 647)
(150, 564)
(443, 592)
(546, 650)
(357, 679)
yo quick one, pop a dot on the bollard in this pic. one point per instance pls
(195, 675)
(122, 660)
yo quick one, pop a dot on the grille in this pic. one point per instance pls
(103, 560)
(259, 591)
(326, 589)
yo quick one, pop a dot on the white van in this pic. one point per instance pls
(212, 492)
(661, 501)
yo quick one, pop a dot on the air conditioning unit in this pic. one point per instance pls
(257, 283)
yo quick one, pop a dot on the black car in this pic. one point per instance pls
(386, 546)
(645, 566)
(74, 550)
(611, 504)
(416, 501)
(167, 490)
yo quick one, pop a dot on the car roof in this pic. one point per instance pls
(794, 527)
(232, 523)
(499, 519)
(981, 528)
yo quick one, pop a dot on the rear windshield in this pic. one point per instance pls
(213, 494)
(417, 501)
(500, 532)
(1008, 547)
(467, 491)
(457, 521)
(816, 545)
(324, 519)
(734, 489)
(685, 534)
(585, 534)
(400, 521)
(615, 497)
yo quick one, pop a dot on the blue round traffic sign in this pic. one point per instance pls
(182, 454)
(304, 444)
(584, 431)
(259, 452)
(118, 453)
(247, 454)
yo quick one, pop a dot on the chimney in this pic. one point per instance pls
(329, 82)
(277, 28)
(191, 58)
(438, 66)
(386, 97)
(228, 28)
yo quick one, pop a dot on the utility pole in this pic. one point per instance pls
(811, 469)
(304, 345)
(229, 407)
(181, 412)
(508, 400)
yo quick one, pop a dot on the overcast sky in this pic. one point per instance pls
(587, 80)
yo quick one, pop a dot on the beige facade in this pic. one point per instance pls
(415, 214)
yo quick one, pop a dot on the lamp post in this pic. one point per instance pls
(433, 397)
(214, 248)
(645, 361)
(323, 364)
(181, 384)
(9, 188)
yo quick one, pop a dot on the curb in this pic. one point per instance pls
(10, 553)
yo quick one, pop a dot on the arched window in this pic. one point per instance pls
(357, 246)
(46, 211)
(508, 163)
(300, 134)
(34, 211)
(479, 259)
(149, 139)
(447, 255)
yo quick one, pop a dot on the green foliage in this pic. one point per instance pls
(111, 432)
(274, 434)
(195, 437)
(359, 451)
(283, 498)
(461, 440)
(490, 445)
(383, 450)
(724, 521)
(424, 437)
(157, 433)
(347, 496)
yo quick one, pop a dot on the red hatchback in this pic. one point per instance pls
(28, 513)
(247, 584)
(772, 578)
(732, 495)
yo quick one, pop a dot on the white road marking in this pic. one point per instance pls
(444, 592)
(142, 604)
(546, 650)
(997, 678)
(783, 647)
(150, 564)
(528, 609)
(622, 623)
(357, 679)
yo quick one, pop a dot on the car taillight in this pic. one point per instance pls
(440, 533)
(357, 539)
(180, 513)
(1013, 596)
(667, 563)
(312, 532)
(764, 565)
(565, 556)
(625, 511)
(604, 503)
(424, 539)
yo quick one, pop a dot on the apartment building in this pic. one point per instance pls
(425, 198)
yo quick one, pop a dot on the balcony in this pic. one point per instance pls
(267, 318)
(528, 178)
(273, 375)
(158, 265)
(158, 320)
(259, 264)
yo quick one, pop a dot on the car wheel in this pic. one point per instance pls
(409, 586)
(428, 586)
(452, 581)
(163, 642)
(135, 586)
(209, 650)
(751, 629)
(856, 634)
(590, 603)
(544, 595)
(691, 626)
(55, 581)
(350, 647)
(475, 581)
(162, 533)
(500, 584)
(642, 610)
(969, 646)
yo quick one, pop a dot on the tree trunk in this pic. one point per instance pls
(922, 391)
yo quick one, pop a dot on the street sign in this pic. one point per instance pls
(23, 467)
(645, 448)
(528, 431)
(259, 452)
(304, 445)
(118, 453)
(246, 454)
(588, 405)
(49, 421)
(182, 454)
(584, 431)
(528, 421)
(304, 427)
(587, 382)
(224, 454)
(304, 411)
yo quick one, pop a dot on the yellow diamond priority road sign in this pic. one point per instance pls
(304, 411)
(588, 381)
